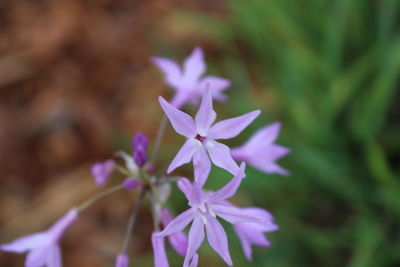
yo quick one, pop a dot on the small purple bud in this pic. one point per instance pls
(140, 157)
(132, 183)
(140, 141)
(122, 260)
(150, 167)
(102, 170)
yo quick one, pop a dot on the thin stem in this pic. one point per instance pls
(160, 135)
(93, 199)
(156, 218)
(132, 220)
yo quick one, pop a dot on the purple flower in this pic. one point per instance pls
(132, 183)
(177, 240)
(139, 145)
(187, 82)
(43, 247)
(160, 256)
(122, 260)
(204, 208)
(253, 233)
(200, 145)
(261, 152)
(101, 171)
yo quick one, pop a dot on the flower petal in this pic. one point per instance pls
(194, 66)
(264, 136)
(170, 69)
(101, 171)
(206, 114)
(185, 154)
(201, 165)
(217, 84)
(221, 156)
(57, 229)
(160, 256)
(37, 257)
(217, 238)
(195, 260)
(230, 128)
(196, 237)
(122, 260)
(180, 121)
(185, 186)
(54, 256)
(26, 243)
(180, 222)
(181, 98)
(236, 215)
(230, 188)
(177, 240)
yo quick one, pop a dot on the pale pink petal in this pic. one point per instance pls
(180, 121)
(54, 256)
(230, 128)
(170, 69)
(185, 154)
(196, 195)
(180, 222)
(216, 84)
(177, 240)
(221, 156)
(194, 66)
(246, 245)
(236, 215)
(182, 97)
(160, 256)
(264, 136)
(57, 230)
(217, 238)
(122, 260)
(26, 243)
(206, 115)
(37, 257)
(196, 237)
(185, 186)
(230, 188)
(201, 165)
(195, 260)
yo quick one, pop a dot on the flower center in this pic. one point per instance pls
(201, 138)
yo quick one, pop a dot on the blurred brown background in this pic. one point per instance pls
(75, 80)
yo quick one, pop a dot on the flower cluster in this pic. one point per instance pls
(203, 147)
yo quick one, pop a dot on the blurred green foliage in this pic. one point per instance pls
(329, 70)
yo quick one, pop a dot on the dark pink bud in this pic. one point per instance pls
(140, 141)
(132, 183)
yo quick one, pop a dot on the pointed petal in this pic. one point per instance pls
(122, 260)
(54, 256)
(196, 237)
(185, 186)
(57, 229)
(230, 188)
(217, 85)
(160, 256)
(206, 115)
(264, 136)
(194, 66)
(171, 70)
(236, 215)
(177, 240)
(230, 128)
(195, 260)
(221, 156)
(246, 245)
(26, 243)
(37, 257)
(181, 98)
(179, 223)
(268, 166)
(185, 154)
(201, 165)
(217, 238)
(180, 121)
(196, 195)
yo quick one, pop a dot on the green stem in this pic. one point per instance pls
(132, 220)
(160, 135)
(93, 199)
